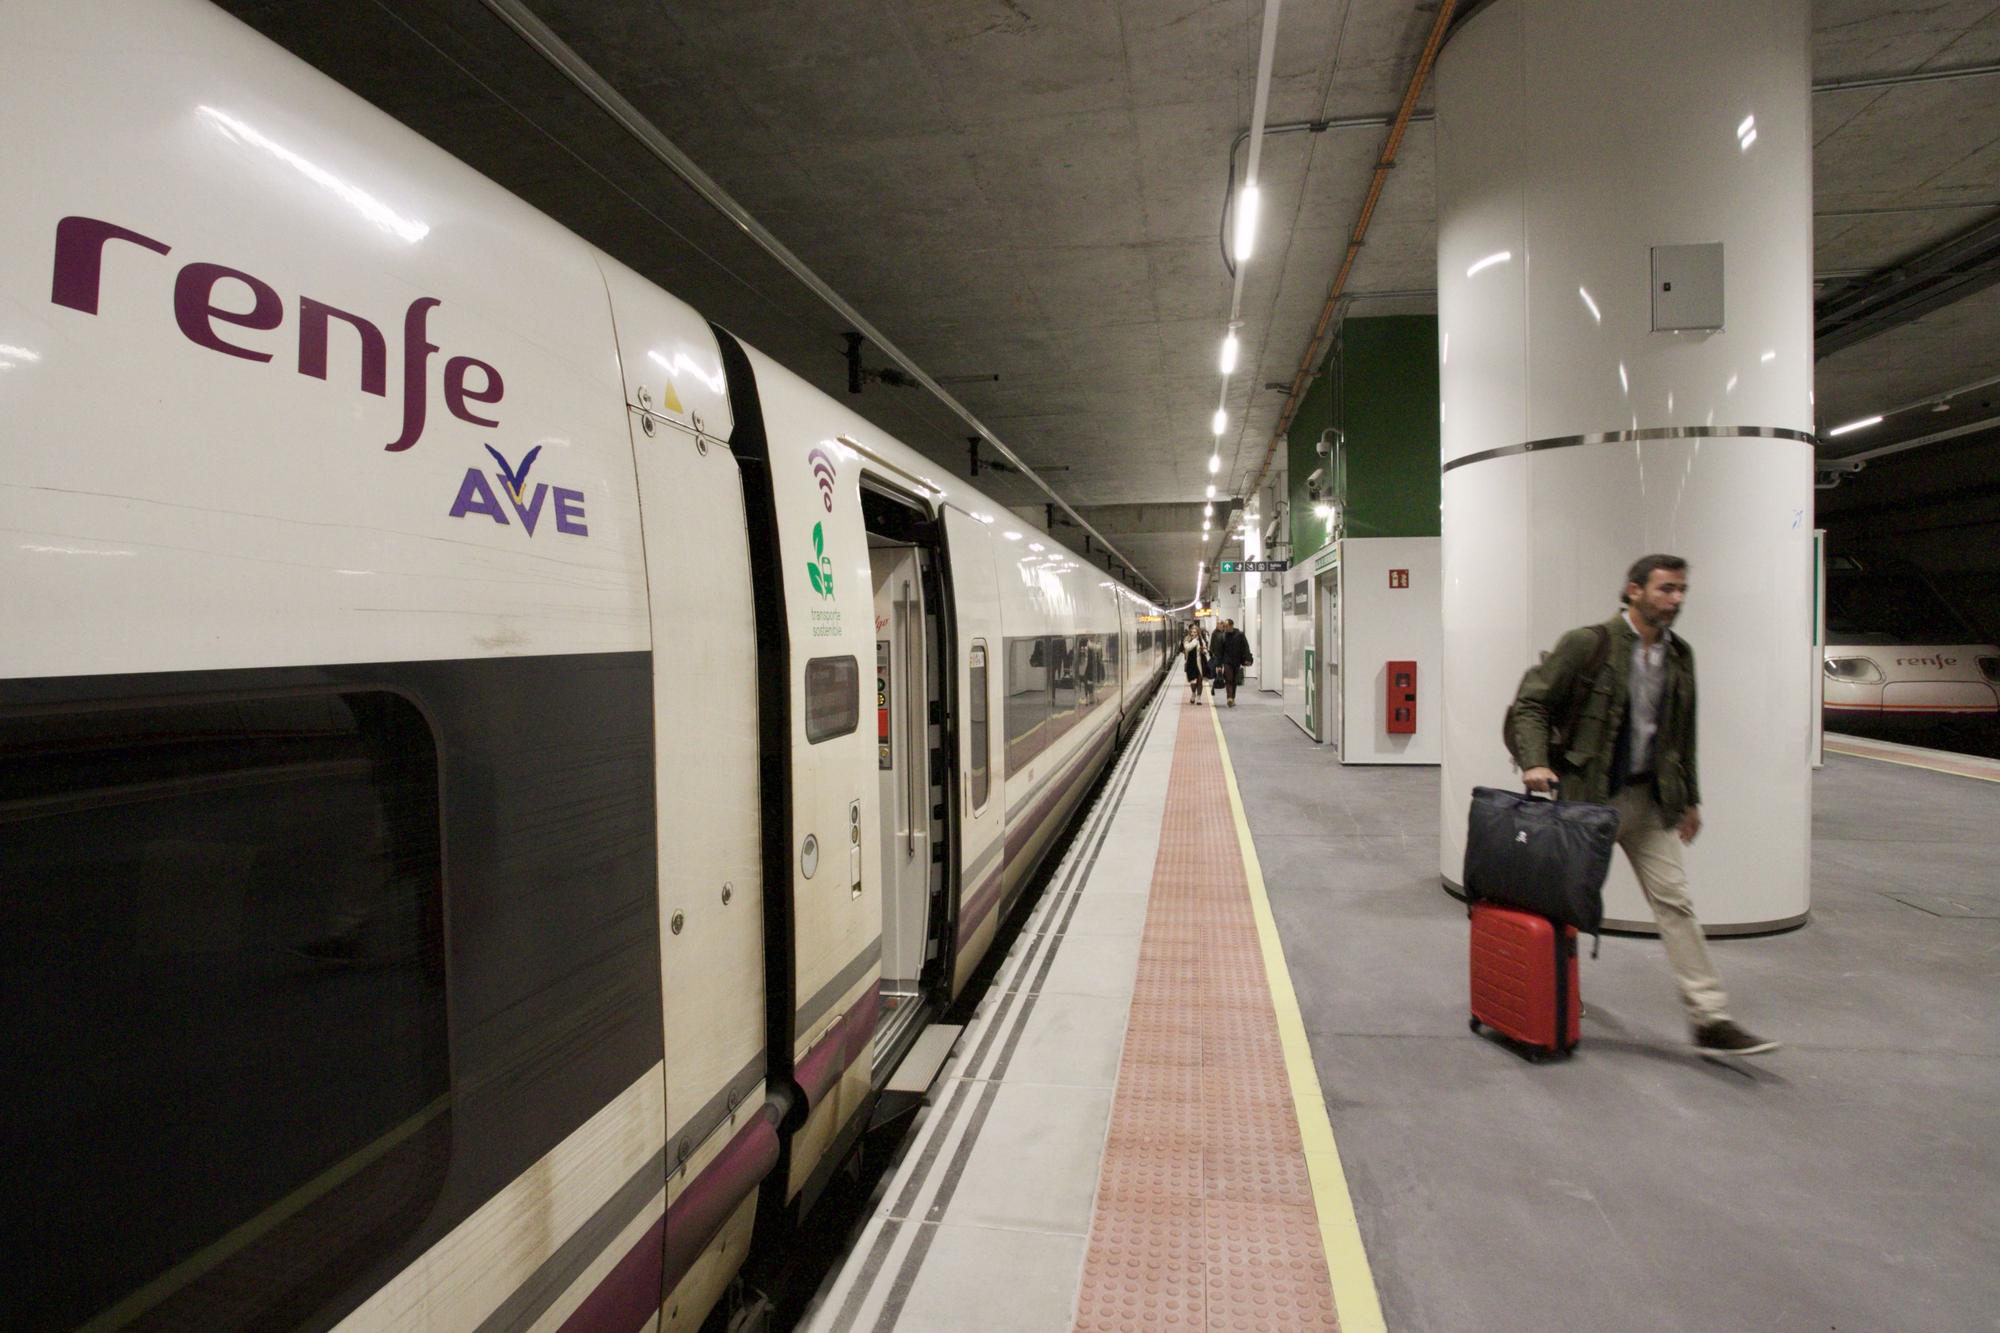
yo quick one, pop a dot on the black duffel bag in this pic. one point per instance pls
(1542, 856)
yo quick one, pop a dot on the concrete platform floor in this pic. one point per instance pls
(1848, 1181)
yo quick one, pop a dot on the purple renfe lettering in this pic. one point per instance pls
(79, 262)
(196, 312)
(455, 392)
(314, 316)
(417, 349)
(569, 512)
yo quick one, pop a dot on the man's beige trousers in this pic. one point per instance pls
(1655, 853)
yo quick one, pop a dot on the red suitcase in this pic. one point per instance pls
(1524, 979)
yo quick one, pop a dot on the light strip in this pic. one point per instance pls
(1854, 425)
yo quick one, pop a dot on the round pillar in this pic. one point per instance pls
(1585, 149)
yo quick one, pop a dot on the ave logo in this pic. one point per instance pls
(477, 494)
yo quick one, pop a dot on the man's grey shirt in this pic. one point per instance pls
(1648, 685)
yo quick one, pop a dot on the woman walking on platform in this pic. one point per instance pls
(1194, 649)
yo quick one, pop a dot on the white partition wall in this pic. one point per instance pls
(1613, 385)
(1390, 611)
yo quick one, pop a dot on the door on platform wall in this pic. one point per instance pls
(911, 676)
(1271, 635)
(1326, 641)
(1299, 657)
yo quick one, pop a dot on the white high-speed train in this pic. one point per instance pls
(494, 772)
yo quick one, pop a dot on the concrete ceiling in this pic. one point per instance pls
(1032, 190)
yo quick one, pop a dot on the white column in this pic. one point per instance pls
(1574, 136)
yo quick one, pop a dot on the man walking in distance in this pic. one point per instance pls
(1625, 693)
(1232, 654)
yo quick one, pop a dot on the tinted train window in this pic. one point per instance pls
(1027, 706)
(833, 697)
(223, 977)
(977, 771)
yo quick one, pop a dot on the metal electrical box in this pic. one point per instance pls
(1687, 287)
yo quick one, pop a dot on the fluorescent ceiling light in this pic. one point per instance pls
(1488, 262)
(1230, 348)
(1246, 222)
(1854, 425)
(1590, 305)
(1221, 421)
(1749, 124)
(1749, 139)
(1211, 490)
(1215, 462)
(1206, 510)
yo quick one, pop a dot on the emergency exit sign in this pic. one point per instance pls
(1399, 578)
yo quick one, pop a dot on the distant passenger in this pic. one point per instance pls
(1232, 654)
(1195, 649)
(1625, 689)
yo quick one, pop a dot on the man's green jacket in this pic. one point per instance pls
(1586, 761)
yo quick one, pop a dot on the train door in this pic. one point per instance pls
(979, 663)
(912, 772)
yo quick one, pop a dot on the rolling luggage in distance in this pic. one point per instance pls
(1524, 979)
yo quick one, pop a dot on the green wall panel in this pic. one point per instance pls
(1380, 385)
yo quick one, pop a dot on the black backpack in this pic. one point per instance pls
(1561, 726)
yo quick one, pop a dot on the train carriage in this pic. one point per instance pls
(496, 772)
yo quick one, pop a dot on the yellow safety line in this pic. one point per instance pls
(1354, 1298)
(1864, 750)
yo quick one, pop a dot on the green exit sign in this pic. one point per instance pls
(1229, 566)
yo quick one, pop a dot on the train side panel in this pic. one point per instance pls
(320, 526)
(721, 1137)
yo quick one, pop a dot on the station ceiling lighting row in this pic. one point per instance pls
(1243, 243)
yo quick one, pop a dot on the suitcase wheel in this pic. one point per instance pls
(1473, 1023)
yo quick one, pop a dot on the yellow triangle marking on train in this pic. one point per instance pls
(672, 400)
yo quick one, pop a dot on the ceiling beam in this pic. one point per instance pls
(1947, 272)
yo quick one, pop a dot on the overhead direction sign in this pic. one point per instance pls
(1255, 566)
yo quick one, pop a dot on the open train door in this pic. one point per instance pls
(969, 552)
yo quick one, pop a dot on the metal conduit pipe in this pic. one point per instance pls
(1303, 376)
(593, 85)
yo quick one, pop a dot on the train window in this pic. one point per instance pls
(833, 698)
(224, 979)
(1060, 653)
(1027, 706)
(978, 771)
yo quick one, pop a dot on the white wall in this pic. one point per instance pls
(1380, 624)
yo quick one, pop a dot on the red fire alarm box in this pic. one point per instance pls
(1402, 701)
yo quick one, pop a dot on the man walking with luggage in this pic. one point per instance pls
(1232, 654)
(1610, 714)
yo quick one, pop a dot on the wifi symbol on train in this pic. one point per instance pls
(822, 467)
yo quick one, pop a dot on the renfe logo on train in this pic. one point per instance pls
(77, 280)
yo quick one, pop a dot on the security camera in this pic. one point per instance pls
(1329, 438)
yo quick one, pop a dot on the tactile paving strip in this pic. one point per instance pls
(1204, 1217)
